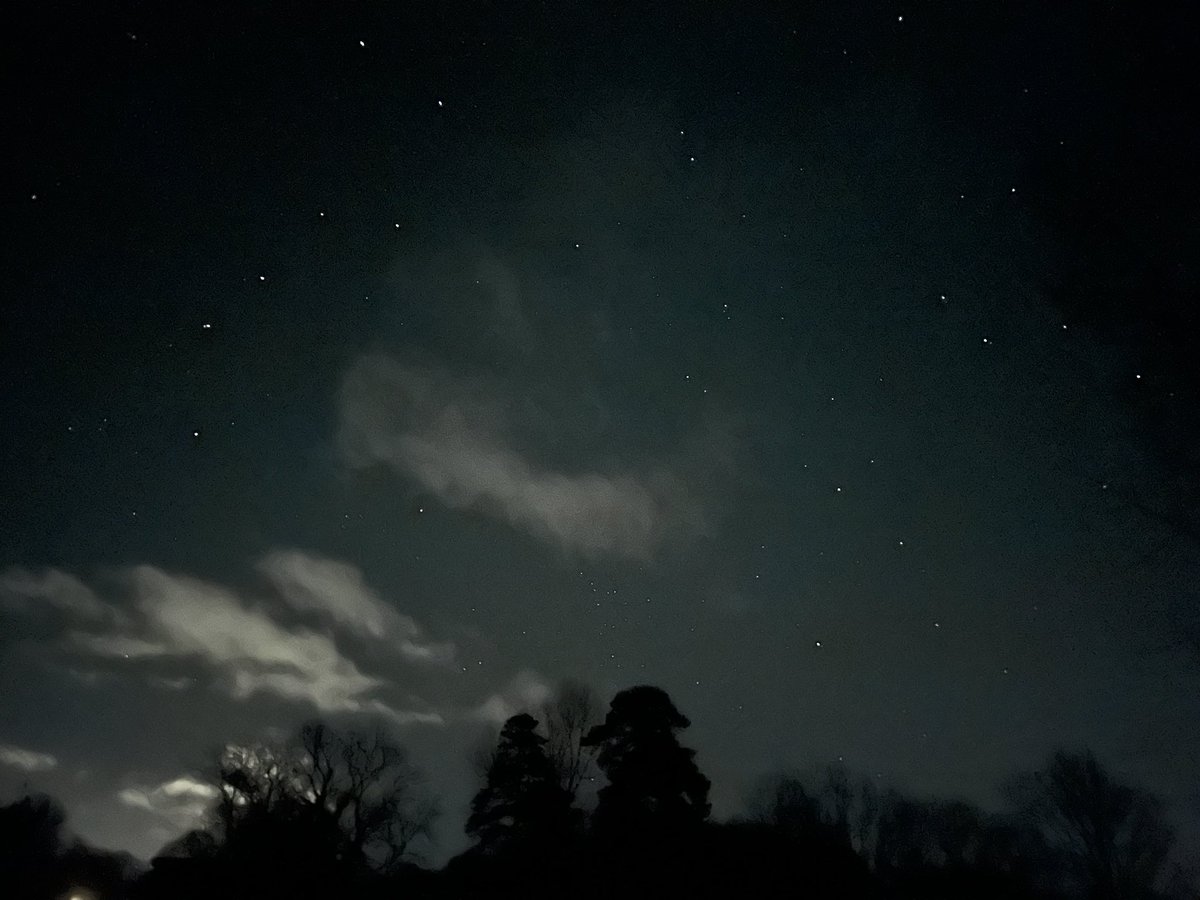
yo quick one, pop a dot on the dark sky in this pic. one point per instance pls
(824, 364)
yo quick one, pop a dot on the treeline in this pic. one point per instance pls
(576, 802)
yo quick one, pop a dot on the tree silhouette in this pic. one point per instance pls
(30, 846)
(569, 715)
(39, 862)
(521, 805)
(1113, 837)
(356, 797)
(653, 782)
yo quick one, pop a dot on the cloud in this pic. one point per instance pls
(525, 692)
(337, 591)
(23, 590)
(181, 620)
(448, 435)
(185, 617)
(182, 800)
(26, 760)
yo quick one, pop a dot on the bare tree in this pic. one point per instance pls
(482, 753)
(363, 787)
(839, 797)
(1114, 837)
(250, 781)
(866, 820)
(568, 716)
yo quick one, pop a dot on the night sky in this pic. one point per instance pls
(825, 364)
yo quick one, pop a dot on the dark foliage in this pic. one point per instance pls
(38, 861)
(522, 803)
(653, 782)
(331, 815)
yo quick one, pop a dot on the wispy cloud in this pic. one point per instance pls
(182, 800)
(448, 435)
(24, 591)
(26, 760)
(185, 621)
(525, 692)
(337, 591)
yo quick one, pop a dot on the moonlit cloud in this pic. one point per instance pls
(337, 591)
(244, 648)
(26, 760)
(525, 692)
(183, 800)
(193, 618)
(23, 590)
(448, 435)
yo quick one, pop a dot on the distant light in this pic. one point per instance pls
(362, 43)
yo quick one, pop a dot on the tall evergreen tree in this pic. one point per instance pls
(522, 804)
(653, 782)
